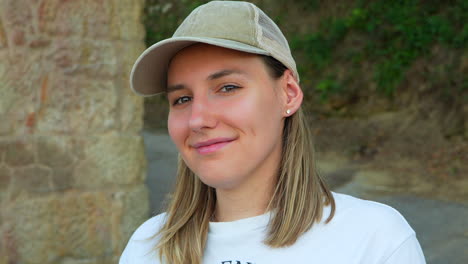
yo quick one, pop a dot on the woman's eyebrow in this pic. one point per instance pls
(173, 88)
(223, 73)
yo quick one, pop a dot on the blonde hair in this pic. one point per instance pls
(298, 201)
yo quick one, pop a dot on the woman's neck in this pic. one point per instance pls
(251, 196)
(251, 200)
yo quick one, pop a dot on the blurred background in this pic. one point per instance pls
(83, 162)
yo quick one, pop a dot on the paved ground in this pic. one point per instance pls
(441, 226)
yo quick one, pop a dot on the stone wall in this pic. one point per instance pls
(72, 164)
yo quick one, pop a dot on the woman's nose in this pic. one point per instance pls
(202, 116)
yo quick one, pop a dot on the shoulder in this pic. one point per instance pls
(141, 245)
(373, 230)
(371, 221)
(149, 228)
(369, 213)
(380, 225)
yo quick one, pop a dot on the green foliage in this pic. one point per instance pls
(328, 86)
(398, 33)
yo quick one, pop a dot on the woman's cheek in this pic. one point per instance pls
(175, 125)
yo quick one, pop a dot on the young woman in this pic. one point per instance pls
(247, 190)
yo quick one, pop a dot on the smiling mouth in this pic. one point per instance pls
(211, 146)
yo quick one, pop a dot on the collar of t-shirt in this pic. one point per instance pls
(244, 225)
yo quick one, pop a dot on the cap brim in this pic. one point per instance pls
(149, 73)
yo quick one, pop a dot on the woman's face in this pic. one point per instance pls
(226, 116)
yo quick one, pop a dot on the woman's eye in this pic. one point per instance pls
(228, 88)
(182, 100)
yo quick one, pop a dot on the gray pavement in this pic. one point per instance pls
(162, 166)
(441, 226)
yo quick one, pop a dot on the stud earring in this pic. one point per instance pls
(288, 111)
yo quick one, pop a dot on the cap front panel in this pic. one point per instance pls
(223, 20)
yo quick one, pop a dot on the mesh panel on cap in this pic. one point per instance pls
(271, 39)
(270, 30)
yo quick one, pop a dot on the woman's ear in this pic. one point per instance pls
(292, 93)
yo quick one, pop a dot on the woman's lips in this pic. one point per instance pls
(212, 145)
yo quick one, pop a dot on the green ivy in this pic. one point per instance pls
(328, 86)
(399, 32)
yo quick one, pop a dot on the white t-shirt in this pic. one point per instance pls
(361, 231)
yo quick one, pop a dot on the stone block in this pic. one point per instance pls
(8, 248)
(3, 147)
(18, 21)
(91, 235)
(62, 179)
(3, 39)
(39, 42)
(131, 209)
(5, 127)
(76, 55)
(74, 225)
(5, 180)
(131, 112)
(99, 58)
(19, 152)
(79, 106)
(54, 151)
(136, 210)
(77, 145)
(16, 12)
(47, 14)
(30, 224)
(18, 37)
(96, 108)
(91, 19)
(82, 18)
(129, 50)
(31, 179)
(5, 93)
(131, 106)
(127, 24)
(111, 159)
(20, 96)
(15, 118)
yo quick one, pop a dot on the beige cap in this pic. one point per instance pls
(230, 24)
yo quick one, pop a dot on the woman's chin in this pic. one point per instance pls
(219, 182)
